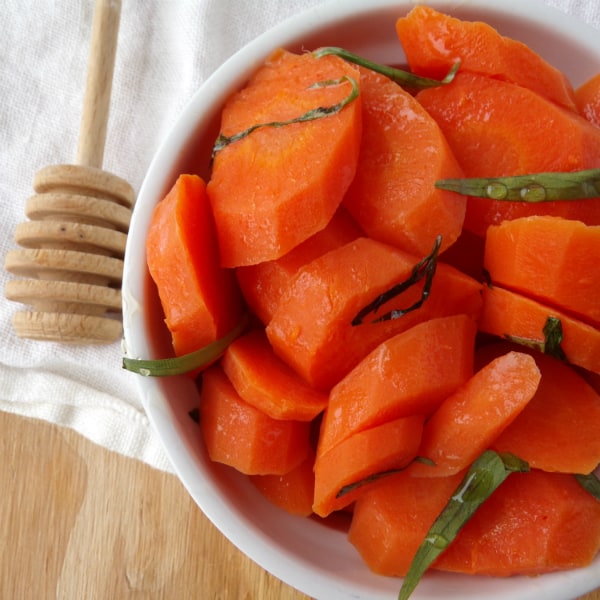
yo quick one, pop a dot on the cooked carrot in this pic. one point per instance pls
(277, 186)
(587, 98)
(402, 154)
(407, 374)
(558, 429)
(533, 523)
(200, 299)
(263, 380)
(293, 491)
(433, 42)
(496, 128)
(263, 284)
(509, 314)
(241, 436)
(311, 329)
(391, 520)
(552, 259)
(342, 473)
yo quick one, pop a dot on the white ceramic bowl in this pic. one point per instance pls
(316, 560)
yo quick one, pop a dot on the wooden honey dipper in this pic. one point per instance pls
(74, 243)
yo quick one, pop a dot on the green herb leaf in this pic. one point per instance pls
(536, 187)
(399, 76)
(186, 363)
(316, 113)
(590, 483)
(553, 337)
(484, 476)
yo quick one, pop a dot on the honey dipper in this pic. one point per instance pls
(74, 242)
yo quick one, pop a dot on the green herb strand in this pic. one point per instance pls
(399, 76)
(186, 363)
(590, 483)
(315, 113)
(484, 476)
(553, 337)
(536, 187)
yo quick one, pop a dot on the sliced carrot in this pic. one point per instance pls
(263, 284)
(533, 523)
(509, 314)
(241, 436)
(433, 42)
(391, 520)
(554, 260)
(263, 380)
(471, 419)
(312, 328)
(402, 154)
(587, 98)
(392, 445)
(200, 299)
(410, 373)
(496, 128)
(558, 429)
(293, 491)
(278, 186)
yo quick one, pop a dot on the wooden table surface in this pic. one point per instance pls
(80, 522)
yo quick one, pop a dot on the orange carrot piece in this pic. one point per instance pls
(533, 523)
(403, 152)
(263, 380)
(410, 373)
(391, 520)
(311, 329)
(509, 314)
(264, 283)
(471, 419)
(200, 299)
(293, 491)
(278, 186)
(241, 436)
(433, 42)
(511, 123)
(392, 445)
(587, 98)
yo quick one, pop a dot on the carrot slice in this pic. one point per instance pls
(241, 436)
(392, 445)
(200, 299)
(263, 380)
(410, 373)
(509, 314)
(469, 420)
(312, 328)
(587, 98)
(278, 186)
(511, 123)
(402, 154)
(433, 42)
(533, 523)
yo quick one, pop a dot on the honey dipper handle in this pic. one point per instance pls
(103, 47)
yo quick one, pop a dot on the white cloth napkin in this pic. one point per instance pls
(166, 49)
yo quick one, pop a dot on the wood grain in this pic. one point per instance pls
(79, 521)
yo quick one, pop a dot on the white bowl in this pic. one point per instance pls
(316, 560)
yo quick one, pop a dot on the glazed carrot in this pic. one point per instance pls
(509, 314)
(200, 299)
(239, 435)
(496, 128)
(558, 429)
(392, 445)
(293, 491)
(587, 98)
(311, 329)
(391, 520)
(263, 284)
(277, 186)
(433, 42)
(267, 383)
(471, 419)
(552, 259)
(409, 373)
(533, 523)
(402, 154)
